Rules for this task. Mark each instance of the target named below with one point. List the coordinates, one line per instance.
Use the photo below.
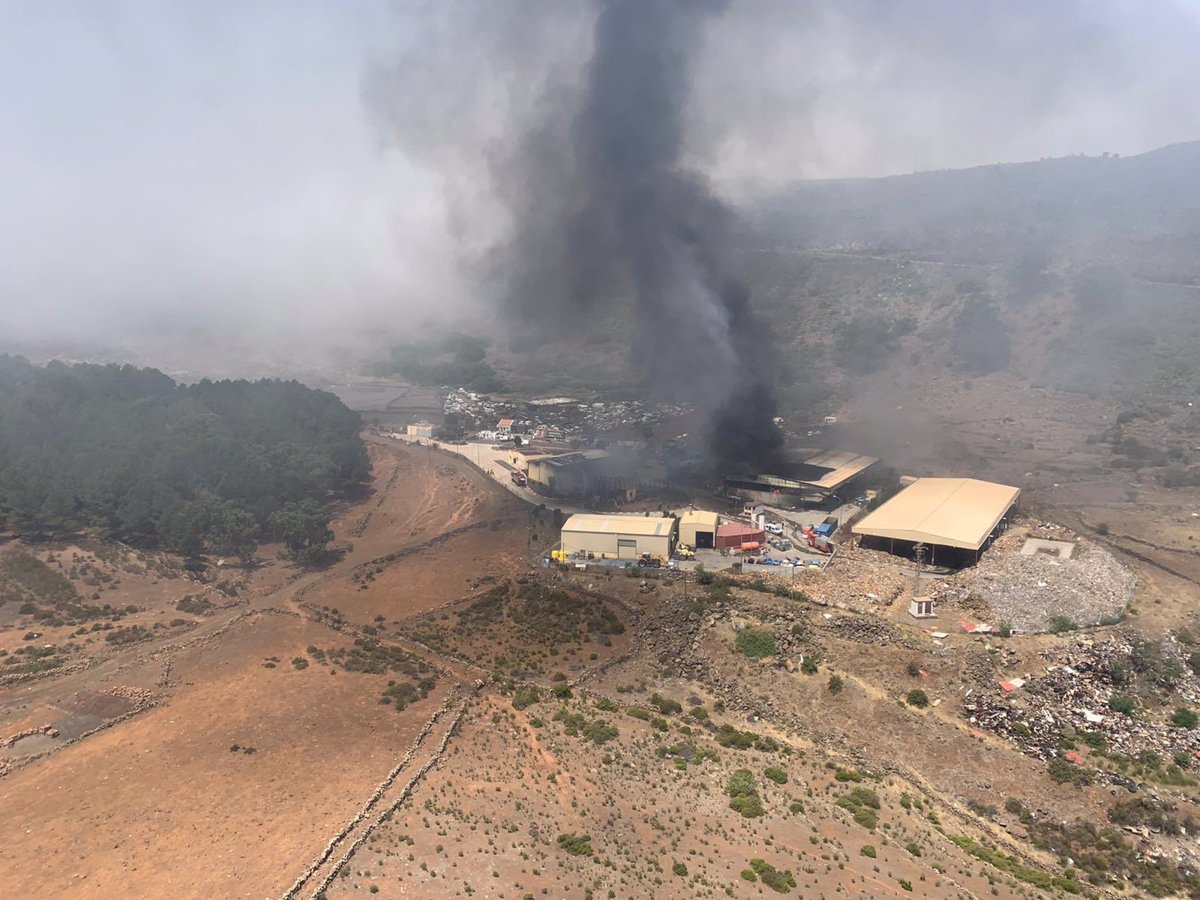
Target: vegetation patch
(576, 844)
(917, 698)
(743, 794)
(863, 804)
(755, 643)
(729, 736)
(195, 606)
(780, 882)
(1011, 866)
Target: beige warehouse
(618, 536)
(698, 528)
(959, 513)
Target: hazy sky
(305, 170)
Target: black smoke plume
(626, 217)
(587, 163)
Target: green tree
(304, 529)
(233, 532)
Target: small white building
(420, 430)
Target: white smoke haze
(300, 175)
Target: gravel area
(1030, 592)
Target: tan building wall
(614, 543)
(698, 520)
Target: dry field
(139, 766)
(431, 716)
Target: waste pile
(1032, 593)
(1072, 697)
(857, 580)
(571, 417)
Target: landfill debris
(1031, 592)
(1063, 700)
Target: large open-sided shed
(956, 514)
(808, 472)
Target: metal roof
(951, 512)
(589, 523)
(730, 529)
(839, 465)
(699, 517)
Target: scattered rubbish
(975, 627)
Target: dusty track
(386, 797)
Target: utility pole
(919, 551)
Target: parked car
(782, 544)
(773, 528)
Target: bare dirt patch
(127, 800)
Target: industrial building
(810, 476)
(953, 519)
(734, 535)
(698, 529)
(420, 430)
(575, 474)
(618, 536)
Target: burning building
(809, 477)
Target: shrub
(1122, 703)
(665, 705)
(599, 732)
(1102, 528)
(776, 775)
(1063, 772)
(1061, 625)
(562, 692)
(780, 882)
(913, 669)
(740, 783)
(1006, 630)
(755, 643)
(679, 869)
(835, 684)
(1185, 718)
(809, 664)
(912, 848)
(749, 875)
(918, 698)
(300, 662)
(743, 794)
(576, 844)
(862, 803)
(848, 775)
(703, 576)
(525, 696)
